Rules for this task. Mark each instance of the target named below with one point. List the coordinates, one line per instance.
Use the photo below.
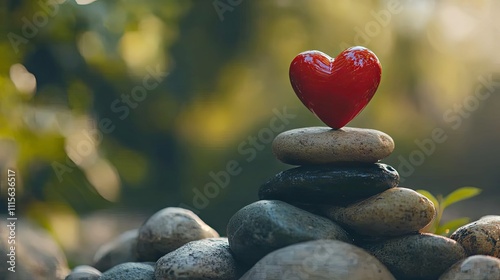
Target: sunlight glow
(84, 2)
(65, 226)
(80, 145)
(24, 81)
(104, 177)
(144, 46)
(457, 24)
(90, 45)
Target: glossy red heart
(336, 90)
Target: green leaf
(451, 226)
(430, 197)
(459, 195)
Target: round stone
(84, 272)
(481, 237)
(130, 270)
(474, 267)
(204, 259)
(330, 184)
(169, 229)
(418, 256)
(320, 259)
(264, 226)
(323, 145)
(394, 212)
(120, 250)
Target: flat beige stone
(394, 212)
(323, 145)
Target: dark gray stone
(120, 250)
(169, 229)
(319, 260)
(330, 184)
(84, 272)
(264, 226)
(418, 256)
(207, 259)
(130, 270)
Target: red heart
(336, 90)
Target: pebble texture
(120, 250)
(84, 272)
(394, 212)
(130, 270)
(418, 256)
(478, 267)
(169, 229)
(330, 184)
(323, 145)
(320, 259)
(207, 259)
(481, 237)
(265, 226)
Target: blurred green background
(112, 110)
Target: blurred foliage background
(112, 110)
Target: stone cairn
(339, 195)
(339, 215)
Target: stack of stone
(339, 195)
(339, 215)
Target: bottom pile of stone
(339, 215)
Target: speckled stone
(481, 237)
(330, 184)
(320, 259)
(417, 256)
(130, 270)
(169, 229)
(122, 249)
(204, 259)
(478, 267)
(396, 211)
(84, 272)
(264, 226)
(323, 145)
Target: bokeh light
(126, 107)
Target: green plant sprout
(440, 203)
